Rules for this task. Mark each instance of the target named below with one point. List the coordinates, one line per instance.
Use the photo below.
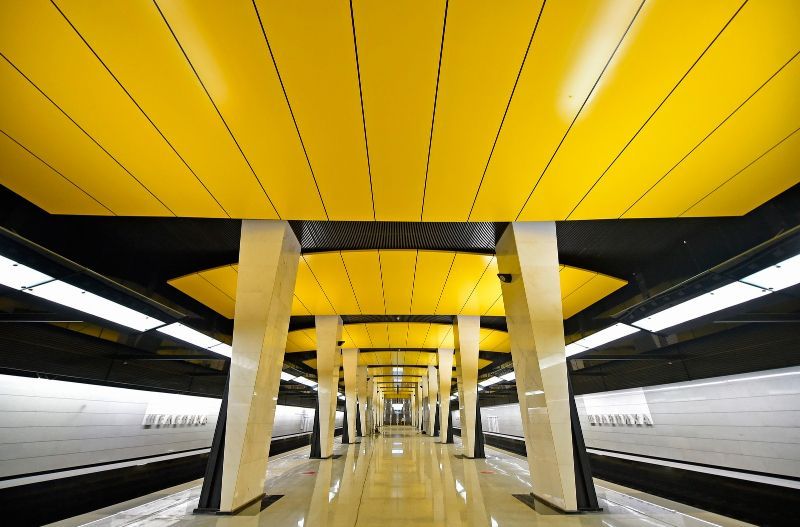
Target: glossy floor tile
(403, 478)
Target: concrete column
(420, 400)
(467, 339)
(425, 396)
(370, 407)
(433, 391)
(350, 365)
(329, 332)
(445, 381)
(268, 257)
(412, 408)
(363, 397)
(528, 251)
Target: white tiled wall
(50, 425)
(747, 422)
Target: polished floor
(403, 478)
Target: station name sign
(620, 420)
(174, 420)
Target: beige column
(363, 397)
(411, 405)
(467, 338)
(528, 251)
(425, 395)
(374, 405)
(329, 332)
(420, 402)
(433, 391)
(350, 365)
(268, 258)
(445, 381)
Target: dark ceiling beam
(761, 318)
(611, 356)
(36, 317)
(123, 356)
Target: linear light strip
(773, 278)
(23, 278)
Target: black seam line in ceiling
(578, 113)
(657, 108)
(68, 180)
(125, 90)
(363, 115)
(505, 112)
(87, 134)
(289, 105)
(216, 108)
(695, 147)
(433, 114)
(748, 165)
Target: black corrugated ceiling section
(319, 236)
(307, 321)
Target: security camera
(340, 343)
(504, 277)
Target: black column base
(235, 511)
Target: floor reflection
(401, 477)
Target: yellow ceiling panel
(197, 285)
(432, 270)
(312, 43)
(356, 336)
(759, 41)
(364, 270)
(228, 50)
(486, 291)
(398, 333)
(382, 357)
(64, 68)
(490, 338)
(311, 363)
(637, 80)
(467, 270)
(42, 185)
(472, 287)
(599, 286)
(308, 291)
(330, 272)
(757, 181)
(398, 45)
(224, 278)
(482, 363)
(572, 278)
(33, 121)
(572, 45)
(771, 115)
(379, 335)
(298, 308)
(484, 46)
(434, 335)
(497, 309)
(133, 40)
(416, 335)
(502, 345)
(398, 269)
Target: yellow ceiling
(382, 335)
(396, 283)
(404, 359)
(308, 110)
